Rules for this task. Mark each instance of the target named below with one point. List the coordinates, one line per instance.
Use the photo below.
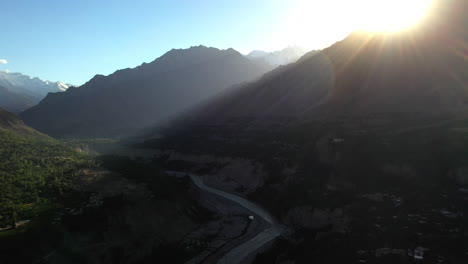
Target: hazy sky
(71, 41)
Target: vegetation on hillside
(122, 210)
(36, 173)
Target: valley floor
(251, 246)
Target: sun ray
(305, 21)
(395, 15)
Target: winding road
(239, 253)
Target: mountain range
(281, 57)
(419, 72)
(19, 92)
(415, 72)
(131, 99)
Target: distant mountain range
(131, 99)
(277, 58)
(19, 92)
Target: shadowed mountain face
(19, 92)
(131, 99)
(16, 102)
(423, 71)
(407, 73)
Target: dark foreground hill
(131, 99)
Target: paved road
(239, 253)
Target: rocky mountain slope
(131, 99)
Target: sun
(320, 23)
(390, 15)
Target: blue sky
(71, 41)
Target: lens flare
(391, 15)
